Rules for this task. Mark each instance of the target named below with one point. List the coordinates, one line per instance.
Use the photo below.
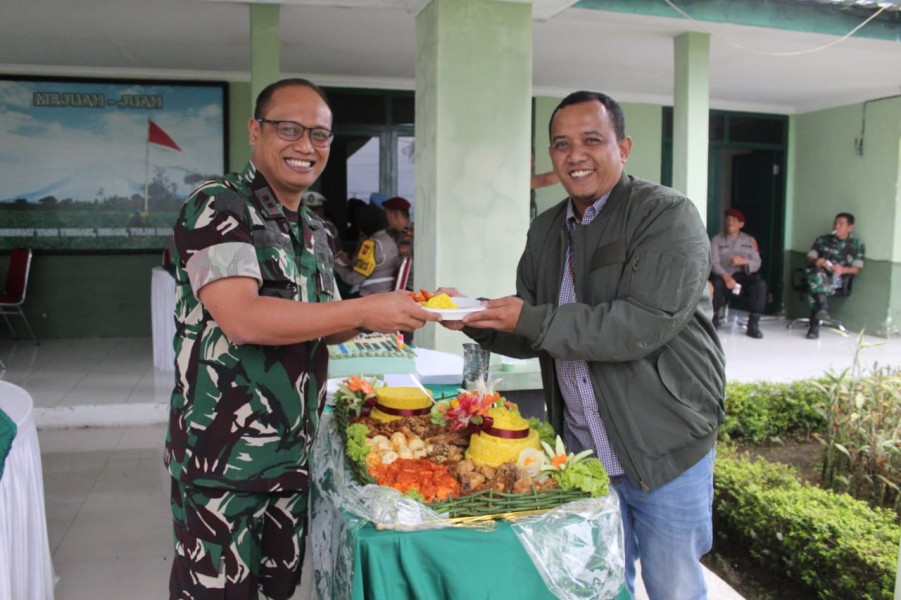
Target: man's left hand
(501, 314)
(740, 261)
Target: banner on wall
(90, 165)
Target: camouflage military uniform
(847, 253)
(243, 417)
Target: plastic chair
(13, 296)
(799, 284)
(403, 273)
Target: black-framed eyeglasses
(291, 131)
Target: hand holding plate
(501, 314)
(394, 311)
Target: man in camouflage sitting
(256, 304)
(833, 259)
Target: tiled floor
(107, 493)
(106, 496)
(108, 519)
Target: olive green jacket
(642, 321)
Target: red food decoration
(432, 480)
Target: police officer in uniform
(736, 270)
(834, 258)
(400, 228)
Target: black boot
(821, 309)
(718, 317)
(814, 331)
(754, 327)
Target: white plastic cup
(737, 289)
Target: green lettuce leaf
(588, 475)
(357, 450)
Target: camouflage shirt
(244, 416)
(848, 252)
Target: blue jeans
(669, 529)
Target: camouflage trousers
(236, 544)
(819, 281)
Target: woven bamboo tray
(485, 504)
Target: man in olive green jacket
(612, 297)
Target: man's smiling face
(291, 167)
(586, 154)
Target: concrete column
(691, 110)
(473, 132)
(264, 47)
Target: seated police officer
(735, 270)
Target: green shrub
(765, 411)
(836, 545)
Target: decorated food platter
(470, 456)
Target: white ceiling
(627, 56)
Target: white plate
(465, 306)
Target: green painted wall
(691, 115)
(548, 196)
(835, 171)
(240, 109)
(74, 296)
(265, 45)
(472, 149)
(644, 124)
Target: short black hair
(613, 109)
(371, 218)
(847, 216)
(264, 99)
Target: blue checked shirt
(583, 426)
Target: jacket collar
(618, 195)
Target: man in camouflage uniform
(256, 305)
(834, 258)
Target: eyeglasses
(291, 131)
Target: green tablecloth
(7, 435)
(446, 564)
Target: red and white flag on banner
(157, 136)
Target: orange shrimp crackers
(432, 480)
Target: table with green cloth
(354, 559)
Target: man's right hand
(394, 311)
(730, 281)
